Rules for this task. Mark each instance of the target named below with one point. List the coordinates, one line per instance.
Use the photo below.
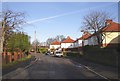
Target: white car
(59, 54)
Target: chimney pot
(108, 21)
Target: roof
(111, 27)
(55, 43)
(68, 40)
(85, 36)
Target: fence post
(19, 55)
(15, 56)
(4, 57)
(22, 53)
(9, 57)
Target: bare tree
(11, 21)
(49, 41)
(59, 38)
(94, 22)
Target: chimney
(108, 21)
(86, 32)
(68, 37)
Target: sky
(50, 19)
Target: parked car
(47, 53)
(58, 54)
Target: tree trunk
(1, 45)
(98, 40)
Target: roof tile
(55, 43)
(68, 40)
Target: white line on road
(80, 65)
(96, 73)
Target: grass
(16, 62)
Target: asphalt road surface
(50, 67)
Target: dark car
(47, 53)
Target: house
(55, 45)
(67, 43)
(78, 42)
(92, 40)
(111, 32)
(82, 40)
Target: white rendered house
(55, 45)
(67, 43)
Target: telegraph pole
(35, 43)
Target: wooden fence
(8, 57)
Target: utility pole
(35, 43)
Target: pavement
(107, 71)
(50, 67)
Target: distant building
(55, 45)
(82, 40)
(67, 43)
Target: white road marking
(80, 65)
(96, 73)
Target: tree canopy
(11, 21)
(19, 40)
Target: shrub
(43, 50)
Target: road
(50, 67)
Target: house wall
(54, 46)
(110, 36)
(67, 45)
(75, 43)
(86, 42)
(78, 43)
(92, 40)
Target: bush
(43, 50)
